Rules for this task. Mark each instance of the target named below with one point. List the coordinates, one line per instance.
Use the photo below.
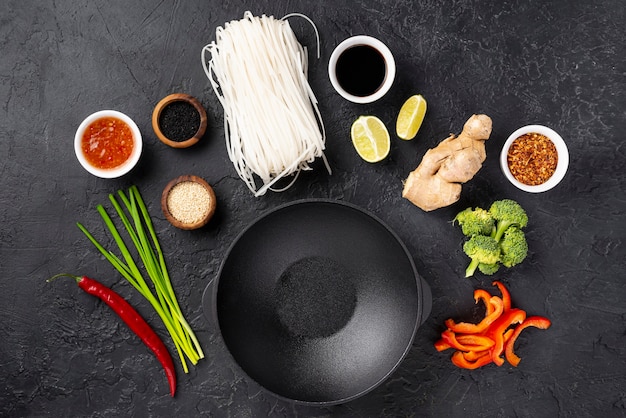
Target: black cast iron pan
(318, 301)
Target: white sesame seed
(189, 202)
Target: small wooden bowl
(179, 97)
(207, 209)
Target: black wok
(318, 301)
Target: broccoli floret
(513, 246)
(488, 269)
(481, 249)
(506, 213)
(496, 236)
(475, 222)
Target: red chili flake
(532, 159)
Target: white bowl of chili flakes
(534, 158)
(108, 144)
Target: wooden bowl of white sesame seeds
(188, 202)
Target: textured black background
(558, 63)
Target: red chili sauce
(107, 142)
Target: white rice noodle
(273, 127)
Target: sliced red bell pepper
(467, 342)
(497, 330)
(506, 296)
(481, 294)
(532, 321)
(441, 345)
(450, 338)
(459, 360)
(469, 328)
(481, 341)
(475, 355)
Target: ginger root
(436, 182)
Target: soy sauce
(361, 70)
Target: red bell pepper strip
(467, 342)
(532, 321)
(497, 330)
(508, 334)
(481, 294)
(470, 341)
(506, 296)
(469, 328)
(134, 321)
(441, 345)
(459, 360)
(475, 355)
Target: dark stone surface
(559, 63)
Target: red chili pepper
(134, 321)
(498, 329)
(531, 321)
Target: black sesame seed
(179, 121)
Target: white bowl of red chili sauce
(108, 144)
(534, 158)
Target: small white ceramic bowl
(562, 163)
(390, 67)
(124, 167)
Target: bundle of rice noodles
(273, 127)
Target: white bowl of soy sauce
(362, 69)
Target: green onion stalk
(141, 232)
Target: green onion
(136, 220)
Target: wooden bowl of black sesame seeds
(179, 120)
(188, 202)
